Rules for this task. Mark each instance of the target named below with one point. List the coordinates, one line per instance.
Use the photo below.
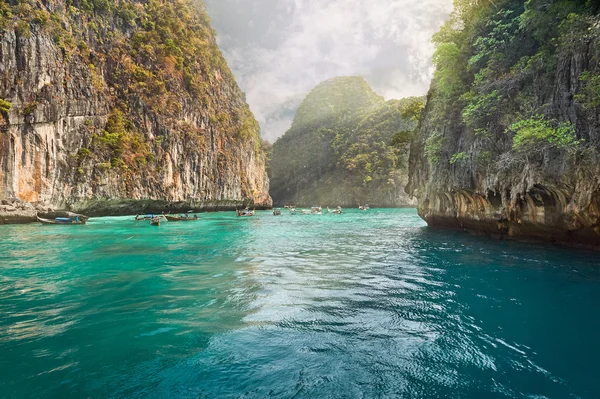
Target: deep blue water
(363, 305)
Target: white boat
(245, 212)
(316, 210)
(336, 211)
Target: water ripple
(366, 304)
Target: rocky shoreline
(515, 230)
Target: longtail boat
(336, 211)
(69, 220)
(181, 218)
(144, 217)
(245, 213)
(155, 221)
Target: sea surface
(360, 305)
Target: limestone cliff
(347, 146)
(121, 107)
(509, 142)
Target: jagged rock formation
(347, 146)
(509, 142)
(121, 107)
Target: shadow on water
(364, 304)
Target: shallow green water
(362, 305)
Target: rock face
(509, 141)
(123, 107)
(339, 149)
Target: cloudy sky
(279, 50)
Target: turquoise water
(360, 305)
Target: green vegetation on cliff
(144, 83)
(162, 52)
(495, 84)
(510, 137)
(123, 99)
(346, 146)
(5, 106)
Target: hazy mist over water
(279, 50)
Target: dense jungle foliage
(347, 146)
(516, 85)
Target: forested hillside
(347, 146)
(509, 141)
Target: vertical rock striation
(123, 107)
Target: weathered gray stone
(38, 152)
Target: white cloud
(280, 49)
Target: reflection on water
(368, 304)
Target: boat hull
(61, 222)
(178, 219)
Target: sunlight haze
(279, 50)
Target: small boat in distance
(144, 217)
(292, 210)
(277, 212)
(364, 208)
(245, 212)
(76, 219)
(336, 211)
(155, 221)
(184, 217)
(315, 210)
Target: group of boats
(155, 220)
(314, 210)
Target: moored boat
(316, 210)
(336, 211)
(181, 218)
(155, 221)
(245, 212)
(277, 212)
(144, 217)
(77, 219)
